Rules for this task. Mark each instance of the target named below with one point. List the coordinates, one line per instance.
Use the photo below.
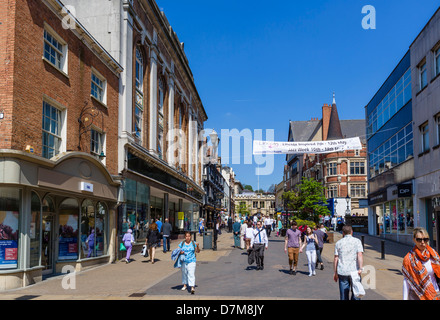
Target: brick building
(59, 91)
(341, 173)
(161, 115)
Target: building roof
(334, 127)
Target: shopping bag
(122, 247)
(251, 256)
(144, 251)
(358, 288)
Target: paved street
(222, 274)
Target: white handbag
(358, 288)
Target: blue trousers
(166, 243)
(345, 286)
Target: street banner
(271, 147)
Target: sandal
(192, 291)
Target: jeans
(345, 286)
(166, 243)
(311, 259)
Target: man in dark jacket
(166, 233)
(322, 237)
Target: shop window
(10, 199)
(68, 230)
(100, 229)
(88, 235)
(35, 231)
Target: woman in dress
(188, 264)
(421, 269)
(310, 243)
(152, 240)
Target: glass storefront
(68, 230)
(395, 217)
(135, 212)
(10, 199)
(93, 222)
(35, 231)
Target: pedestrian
(188, 265)
(128, 241)
(421, 269)
(243, 228)
(268, 225)
(280, 226)
(259, 243)
(201, 227)
(91, 243)
(348, 262)
(152, 240)
(249, 234)
(292, 246)
(159, 225)
(166, 234)
(236, 230)
(310, 243)
(322, 237)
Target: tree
(307, 200)
(248, 187)
(243, 209)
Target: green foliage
(242, 209)
(305, 200)
(248, 187)
(300, 222)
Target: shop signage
(85, 186)
(377, 197)
(271, 147)
(404, 190)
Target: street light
(347, 212)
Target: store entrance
(47, 258)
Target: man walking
(236, 230)
(268, 225)
(292, 246)
(166, 233)
(348, 261)
(259, 243)
(322, 237)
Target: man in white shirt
(259, 243)
(268, 225)
(347, 262)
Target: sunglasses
(420, 239)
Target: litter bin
(207, 240)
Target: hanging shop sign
(317, 147)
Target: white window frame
(424, 137)
(436, 53)
(160, 117)
(437, 125)
(332, 191)
(62, 132)
(103, 98)
(361, 164)
(101, 141)
(62, 64)
(423, 75)
(358, 191)
(332, 166)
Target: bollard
(382, 249)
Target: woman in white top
(249, 234)
(310, 244)
(243, 235)
(421, 268)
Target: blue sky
(258, 64)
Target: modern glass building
(391, 156)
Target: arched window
(35, 230)
(139, 94)
(68, 230)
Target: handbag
(122, 247)
(358, 288)
(144, 251)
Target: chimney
(326, 112)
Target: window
(93, 227)
(34, 235)
(357, 167)
(98, 87)
(255, 204)
(423, 77)
(358, 191)
(97, 142)
(10, 203)
(332, 192)
(139, 94)
(424, 134)
(331, 169)
(160, 102)
(51, 130)
(55, 49)
(437, 61)
(262, 204)
(437, 123)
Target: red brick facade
(26, 79)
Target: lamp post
(347, 211)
